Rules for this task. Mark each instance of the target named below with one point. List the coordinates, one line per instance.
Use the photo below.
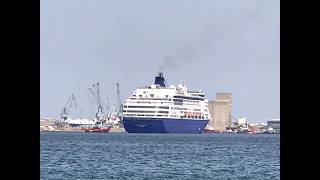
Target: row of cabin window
(160, 107)
(185, 101)
(159, 115)
(147, 115)
(151, 95)
(144, 98)
(144, 102)
(188, 98)
(148, 102)
(193, 117)
(166, 112)
(178, 100)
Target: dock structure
(220, 111)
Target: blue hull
(159, 125)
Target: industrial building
(220, 111)
(274, 124)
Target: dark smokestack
(160, 80)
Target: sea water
(67, 155)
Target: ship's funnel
(160, 80)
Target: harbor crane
(65, 111)
(97, 99)
(119, 104)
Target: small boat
(98, 129)
(209, 129)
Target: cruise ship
(165, 109)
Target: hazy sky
(214, 45)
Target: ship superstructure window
(177, 108)
(162, 115)
(166, 112)
(178, 101)
(163, 107)
(189, 98)
(151, 95)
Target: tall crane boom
(97, 99)
(100, 107)
(66, 108)
(93, 94)
(119, 100)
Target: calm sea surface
(159, 156)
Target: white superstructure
(80, 122)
